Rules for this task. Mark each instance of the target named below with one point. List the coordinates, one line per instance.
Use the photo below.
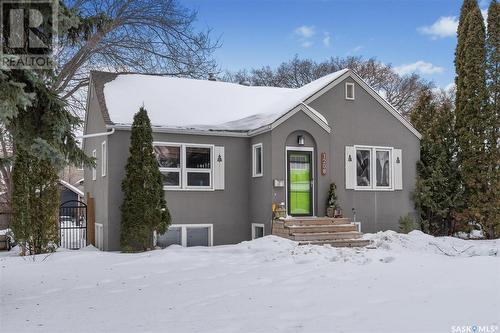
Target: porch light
(300, 140)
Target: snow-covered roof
(71, 188)
(203, 104)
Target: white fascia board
(304, 108)
(157, 129)
(71, 188)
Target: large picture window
(185, 166)
(373, 168)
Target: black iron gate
(73, 225)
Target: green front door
(300, 200)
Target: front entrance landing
(338, 232)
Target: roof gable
(391, 109)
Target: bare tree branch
(131, 35)
(401, 91)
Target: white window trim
(350, 84)
(373, 169)
(254, 160)
(104, 160)
(184, 228)
(183, 170)
(258, 225)
(94, 168)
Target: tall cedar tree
(144, 209)
(437, 192)
(492, 211)
(35, 204)
(471, 116)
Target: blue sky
(412, 35)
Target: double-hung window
(185, 166)
(198, 166)
(169, 162)
(373, 167)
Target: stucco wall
(364, 121)
(315, 136)
(261, 197)
(97, 188)
(227, 210)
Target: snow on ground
(405, 283)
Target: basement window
(257, 230)
(187, 235)
(349, 91)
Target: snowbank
(417, 241)
(266, 285)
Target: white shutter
(398, 168)
(219, 168)
(350, 167)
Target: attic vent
(211, 77)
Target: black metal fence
(73, 225)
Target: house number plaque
(323, 164)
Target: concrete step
(339, 242)
(315, 221)
(321, 228)
(322, 236)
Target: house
(228, 152)
(68, 192)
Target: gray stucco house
(229, 151)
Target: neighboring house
(227, 152)
(68, 192)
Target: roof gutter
(157, 129)
(93, 135)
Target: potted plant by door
(331, 205)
